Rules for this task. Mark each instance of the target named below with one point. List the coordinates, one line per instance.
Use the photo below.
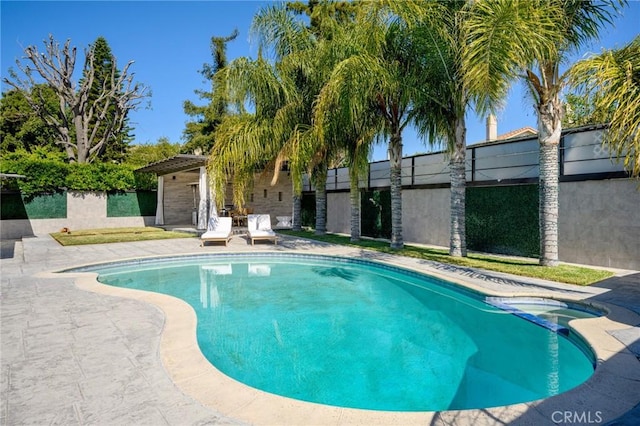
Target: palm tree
(261, 140)
(379, 78)
(282, 93)
(612, 80)
(445, 100)
(307, 68)
(354, 140)
(534, 48)
(348, 136)
(441, 36)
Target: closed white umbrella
(202, 206)
(160, 202)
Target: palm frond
(503, 38)
(583, 19)
(613, 78)
(277, 28)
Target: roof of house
(524, 131)
(178, 163)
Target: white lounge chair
(259, 228)
(209, 295)
(219, 229)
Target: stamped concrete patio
(114, 357)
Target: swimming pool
(360, 334)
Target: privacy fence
(599, 218)
(599, 221)
(513, 161)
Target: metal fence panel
(516, 154)
(601, 165)
(306, 183)
(584, 153)
(431, 169)
(331, 179)
(406, 171)
(500, 174)
(342, 179)
(379, 174)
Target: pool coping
(604, 397)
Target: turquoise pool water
(360, 334)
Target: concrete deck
(110, 356)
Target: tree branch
(96, 121)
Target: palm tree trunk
(549, 132)
(355, 207)
(321, 200)
(297, 212)
(457, 173)
(395, 156)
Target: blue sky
(169, 42)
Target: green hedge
(47, 175)
(128, 204)
(47, 206)
(503, 220)
(375, 211)
(308, 210)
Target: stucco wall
(599, 220)
(599, 223)
(85, 210)
(425, 216)
(338, 212)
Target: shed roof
(178, 163)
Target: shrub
(503, 219)
(44, 174)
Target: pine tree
(199, 133)
(116, 147)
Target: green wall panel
(128, 204)
(49, 206)
(503, 220)
(308, 210)
(375, 211)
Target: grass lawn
(115, 235)
(562, 273)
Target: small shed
(180, 200)
(184, 196)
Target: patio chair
(259, 228)
(219, 229)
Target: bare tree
(76, 109)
